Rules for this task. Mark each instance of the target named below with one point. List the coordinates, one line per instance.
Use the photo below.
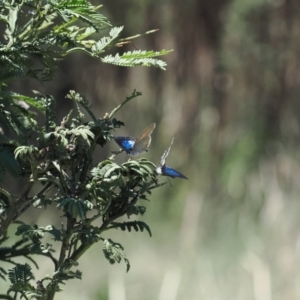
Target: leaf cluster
(37, 34)
(91, 198)
(62, 161)
(40, 33)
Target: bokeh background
(230, 97)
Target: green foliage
(62, 160)
(137, 58)
(136, 225)
(15, 116)
(52, 31)
(114, 252)
(20, 273)
(60, 157)
(19, 277)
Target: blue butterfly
(135, 146)
(165, 170)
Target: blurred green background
(230, 97)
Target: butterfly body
(125, 142)
(165, 170)
(135, 146)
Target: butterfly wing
(143, 142)
(125, 142)
(167, 171)
(166, 153)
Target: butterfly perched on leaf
(135, 146)
(165, 170)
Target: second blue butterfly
(135, 146)
(165, 170)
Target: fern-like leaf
(84, 132)
(99, 46)
(82, 10)
(3, 273)
(20, 273)
(113, 252)
(136, 225)
(137, 58)
(75, 207)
